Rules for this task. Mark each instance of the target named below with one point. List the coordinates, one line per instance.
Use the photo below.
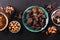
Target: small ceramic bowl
(52, 16)
(25, 16)
(14, 26)
(3, 20)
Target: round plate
(25, 16)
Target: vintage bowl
(25, 16)
(19, 26)
(3, 21)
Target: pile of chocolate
(36, 18)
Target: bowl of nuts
(35, 18)
(56, 17)
(14, 26)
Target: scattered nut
(9, 9)
(52, 30)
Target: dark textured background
(25, 34)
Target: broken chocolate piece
(51, 6)
(29, 20)
(34, 10)
(40, 11)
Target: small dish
(56, 17)
(14, 26)
(25, 15)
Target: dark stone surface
(25, 34)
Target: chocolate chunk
(41, 24)
(29, 11)
(34, 22)
(35, 14)
(33, 27)
(34, 10)
(54, 5)
(40, 19)
(43, 16)
(29, 25)
(37, 28)
(51, 6)
(39, 15)
(40, 11)
(29, 20)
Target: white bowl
(18, 29)
(6, 21)
(53, 16)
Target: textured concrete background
(24, 34)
